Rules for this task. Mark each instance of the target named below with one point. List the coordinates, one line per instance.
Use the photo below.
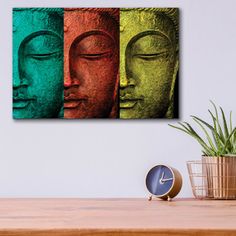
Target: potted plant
(219, 153)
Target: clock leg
(169, 199)
(150, 198)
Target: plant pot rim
(233, 156)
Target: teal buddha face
(37, 63)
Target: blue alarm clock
(164, 182)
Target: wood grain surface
(118, 217)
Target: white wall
(79, 158)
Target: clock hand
(161, 179)
(162, 176)
(164, 180)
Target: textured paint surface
(91, 62)
(148, 62)
(37, 63)
(115, 63)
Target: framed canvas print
(82, 63)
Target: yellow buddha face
(148, 64)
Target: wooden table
(118, 217)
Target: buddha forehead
(82, 21)
(26, 22)
(133, 22)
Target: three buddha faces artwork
(77, 63)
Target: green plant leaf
(225, 124)
(218, 143)
(190, 131)
(204, 122)
(207, 135)
(217, 122)
(215, 135)
(176, 127)
(228, 140)
(230, 122)
(219, 132)
(199, 139)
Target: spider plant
(220, 137)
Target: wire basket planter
(213, 177)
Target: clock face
(159, 180)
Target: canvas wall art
(78, 63)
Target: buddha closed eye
(93, 46)
(149, 46)
(42, 46)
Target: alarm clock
(163, 182)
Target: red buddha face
(91, 62)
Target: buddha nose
(16, 74)
(126, 79)
(70, 81)
(69, 77)
(123, 82)
(123, 75)
(19, 79)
